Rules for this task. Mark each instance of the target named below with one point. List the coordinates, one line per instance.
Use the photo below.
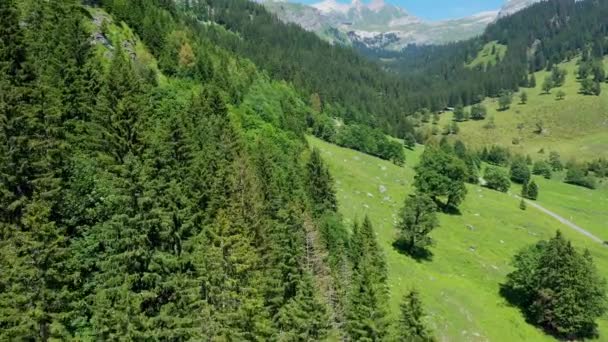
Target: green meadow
(576, 126)
(472, 252)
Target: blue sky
(438, 9)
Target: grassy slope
(485, 56)
(460, 285)
(577, 126)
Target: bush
(577, 176)
(497, 179)
(519, 171)
(542, 168)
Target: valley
(460, 284)
(234, 170)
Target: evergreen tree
(320, 184)
(558, 288)
(366, 315)
(519, 171)
(532, 191)
(523, 97)
(411, 326)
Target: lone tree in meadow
(560, 95)
(531, 191)
(417, 219)
(411, 326)
(441, 174)
(505, 100)
(523, 97)
(558, 288)
(548, 85)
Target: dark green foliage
(523, 97)
(505, 100)
(417, 219)
(131, 210)
(542, 168)
(411, 326)
(496, 178)
(519, 171)
(555, 161)
(590, 87)
(460, 113)
(577, 175)
(367, 299)
(558, 288)
(522, 204)
(371, 141)
(599, 167)
(409, 141)
(478, 112)
(441, 174)
(496, 155)
(530, 191)
(320, 184)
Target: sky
(438, 9)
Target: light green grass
(486, 57)
(460, 286)
(576, 127)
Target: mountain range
(378, 25)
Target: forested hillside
(536, 38)
(168, 195)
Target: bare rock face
(513, 6)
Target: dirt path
(565, 221)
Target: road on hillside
(564, 221)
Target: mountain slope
(377, 24)
(514, 6)
(460, 285)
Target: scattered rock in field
(470, 227)
(370, 195)
(476, 214)
(357, 192)
(382, 189)
(501, 241)
(366, 206)
(472, 248)
(495, 267)
(382, 167)
(386, 199)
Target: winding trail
(565, 221)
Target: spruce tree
(320, 184)
(411, 326)
(367, 297)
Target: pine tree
(559, 288)
(532, 191)
(366, 316)
(320, 184)
(120, 112)
(32, 242)
(411, 326)
(304, 317)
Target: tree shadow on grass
(447, 209)
(416, 253)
